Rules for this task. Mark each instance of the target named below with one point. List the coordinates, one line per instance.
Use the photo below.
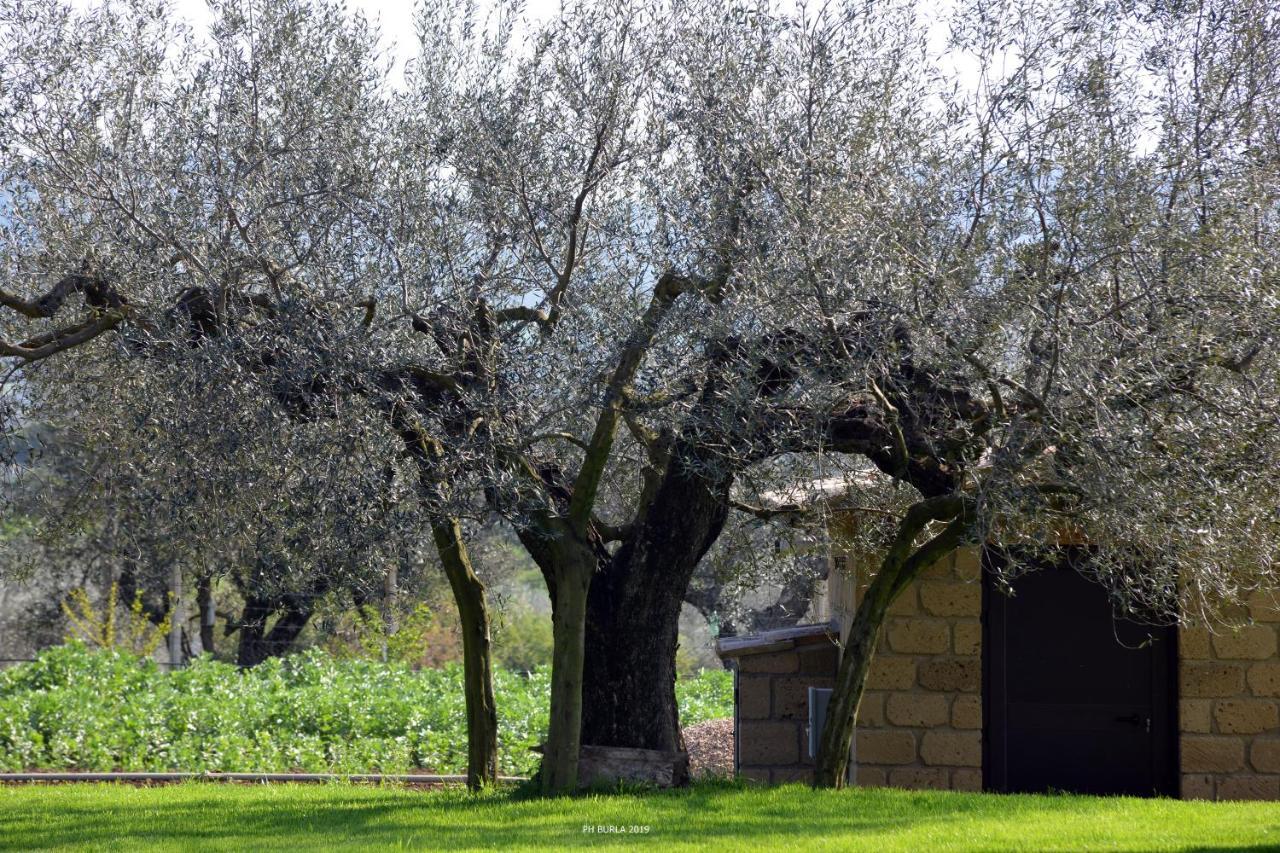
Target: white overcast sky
(394, 19)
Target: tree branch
(669, 288)
(43, 346)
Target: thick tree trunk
(559, 773)
(256, 643)
(633, 615)
(469, 596)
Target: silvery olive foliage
(213, 479)
(1021, 262)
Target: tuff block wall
(1229, 707)
(773, 710)
(920, 721)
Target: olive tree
(218, 196)
(608, 272)
(1029, 278)
(215, 480)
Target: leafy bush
(137, 635)
(522, 641)
(422, 639)
(87, 709)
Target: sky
(394, 17)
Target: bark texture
(256, 642)
(559, 772)
(482, 709)
(633, 615)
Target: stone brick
(1193, 644)
(1233, 614)
(919, 636)
(1264, 679)
(1251, 642)
(786, 775)
(1195, 715)
(962, 749)
(968, 638)
(1197, 786)
(1211, 754)
(822, 659)
(754, 697)
(1264, 755)
(754, 774)
(891, 673)
(1249, 788)
(958, 598)
(966, 713)
(1210, 679)
(905, 604)
(943, 568)
(791, 695)
(917, 709)
(952, 674)
(968, 563)
(871, 709)
(919, 778)
(773, 662)
(1245, 716)
(768, 743)
(966, 779)
(885, 747)
(870, 777)
(1264, 606)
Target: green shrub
(83, 709)
(522, 641)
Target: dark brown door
(1075, 699)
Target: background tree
(215, 480)
(212, 197)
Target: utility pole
(390, 588)
(176, 617)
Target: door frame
(1165, 725)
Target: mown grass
(709, 816)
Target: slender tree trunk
(559, 773)
(390, 591)
(477, 659)
(177, 617)
(851, 681)
(900, 566)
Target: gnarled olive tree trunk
(633, 614)
(256, 643)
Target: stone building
(974, 690)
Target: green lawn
(293, 817)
